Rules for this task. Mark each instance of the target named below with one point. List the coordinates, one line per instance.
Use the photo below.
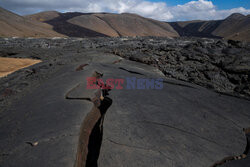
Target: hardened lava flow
(91, 131)
(242, 156)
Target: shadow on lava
(95, 139)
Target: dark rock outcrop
(215, 64)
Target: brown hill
(94, 23)
(44, 16)
(104, 24)
(134, 25)
(75, 24)
(14, 25)
(236, 27)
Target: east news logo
(131, 83)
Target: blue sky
(164, 10)
(221, 4)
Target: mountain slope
(94, 23)
(75, 24)
(236, 27)
(134, 25)
(44, 16)
(196, 28)
(14, 25)
(104, 24)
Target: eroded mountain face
(235, 27)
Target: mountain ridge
(13, 25)
(77, 24)
(235, 27)
(107, 24)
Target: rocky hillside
(76, 24)
(13, 25)
(104, 24)
(236, 27)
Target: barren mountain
(134, 25)
(43, 16)
(94, 23)
(75, 24)
(236, 27)
(14, 25)
(104, 24)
